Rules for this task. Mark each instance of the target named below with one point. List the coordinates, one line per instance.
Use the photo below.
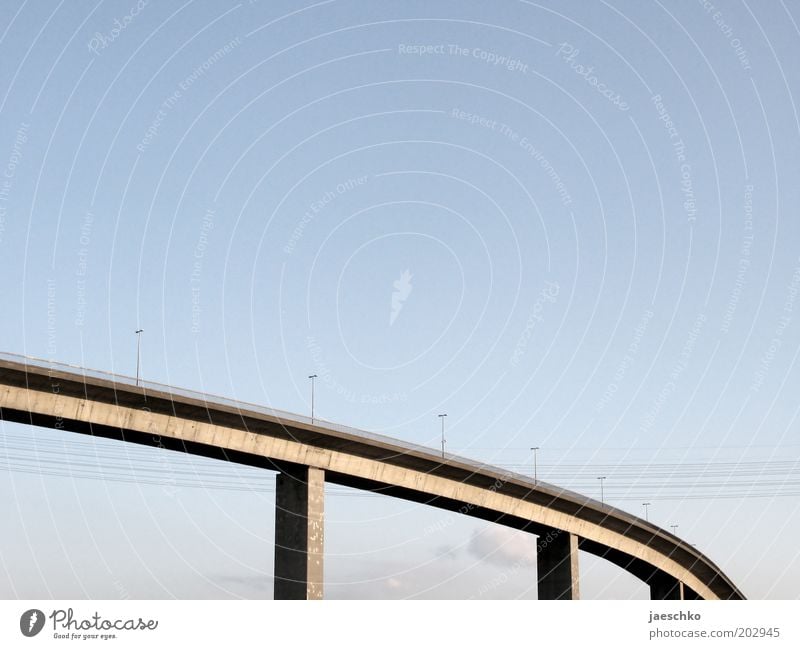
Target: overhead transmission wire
(110, 461)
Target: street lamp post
(138, 333)
(646, 505)
(602, 495)
(535, 471)
(442, 416)
(312, 377)
(674, 527)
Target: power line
(100, 459)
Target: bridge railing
(246, 407)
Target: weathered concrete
(299, 533)
(557, 565)
(213, 427)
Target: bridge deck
(109, 405)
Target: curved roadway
(84, 401)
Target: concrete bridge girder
(507, 502)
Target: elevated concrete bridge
(307, 454)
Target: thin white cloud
(503, 546)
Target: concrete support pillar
(557, 565)
(664, 586)
(688, 593)
(299, 506)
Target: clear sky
(566, 225)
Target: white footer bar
(404, 624)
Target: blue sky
(567, 225)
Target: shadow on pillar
(557, 565)
(664, 586)
(299, 533)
